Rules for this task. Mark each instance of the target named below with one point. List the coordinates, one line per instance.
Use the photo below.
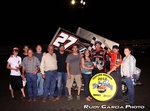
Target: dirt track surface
(142, 94)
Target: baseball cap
(98, 42)
(115, 47)
(61, 44)
(16, 49)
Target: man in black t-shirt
(61, 55)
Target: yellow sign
(102, 87)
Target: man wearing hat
(115, 63)
(14, 64)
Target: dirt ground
(142, 94)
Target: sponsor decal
(68, 38)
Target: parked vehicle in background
(135, 81)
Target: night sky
(36, 23)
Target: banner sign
(102, 87)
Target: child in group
(14, 64)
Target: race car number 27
(68, 40)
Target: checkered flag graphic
(91, 47)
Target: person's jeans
(130, 87)
(86, 80)
(31, 85)
(50, 83)
(40, 84)
(61, 83)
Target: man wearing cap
(14, 64)
(61, 71)
(98, 58)
(115, 63)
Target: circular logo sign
(102, 87)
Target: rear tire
(124, 88)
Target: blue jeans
(86, 80)
(61, 83)
(130, 87)
(50, 83)
(40, 84)
(31, 85)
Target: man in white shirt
(49, 73)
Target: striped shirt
(30, 65)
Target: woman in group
(128, 68)
(86, 68)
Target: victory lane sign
(102, 87)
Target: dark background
(36, 22)
(23, 22)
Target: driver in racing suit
(115, 63)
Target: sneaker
(70, 98)
(78, 97)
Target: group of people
(18, 74)
(118, 67)
(40, 71)
(43, 69)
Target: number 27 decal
(65, 38)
